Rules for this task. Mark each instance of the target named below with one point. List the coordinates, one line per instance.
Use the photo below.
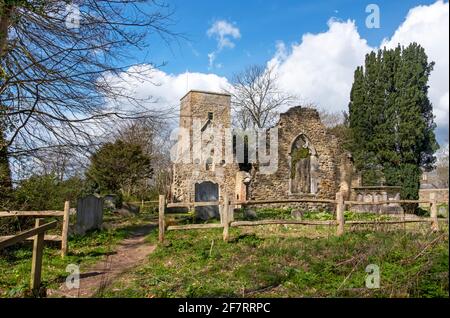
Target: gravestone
(297, 214)
(443, 211)
(206, 192)
(110, 201)
(249, 213)
(128, 209)
(89, 214)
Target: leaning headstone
(249, 214)
(89, 214)
(297, 214)
(110, 201)
(207, 212)
(128, 209)
(443, 211)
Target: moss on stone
(297, 155)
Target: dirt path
(129, 253)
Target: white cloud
(166, 89)
(428, 26)
(224, 33)
(320, 68)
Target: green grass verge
(15, 261)
(292, 261)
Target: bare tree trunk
(5, 18)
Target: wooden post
(162, 205)
(434, 212)
(36, 263)
(225, 217)
(65, 229)
(340, 213)
(231, 212)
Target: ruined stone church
(310, 163)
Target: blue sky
(262, 23)
(313, 46)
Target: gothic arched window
(303, 166)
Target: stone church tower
(310, 163)
(203, 173)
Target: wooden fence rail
(65, 214)
(227, 207)
(384, 202)
(38, 247)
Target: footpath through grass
(15, 261)
(292, 261)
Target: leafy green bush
(46, 192)
(37, 193)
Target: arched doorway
(204, 192)
(304, 166)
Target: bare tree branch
(256, 97)
(56, 90)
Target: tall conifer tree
(391, 118)
(5, 172)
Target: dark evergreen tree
(5, 172)
(391, 118)
(117, 167)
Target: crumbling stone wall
(332, 167)
(293, 123)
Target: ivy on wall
(297, 155)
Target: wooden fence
(63, 238)
(226, 208)
(38, 235)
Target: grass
(262, 261)
(15, 261)
(279, 214)
(292, 261)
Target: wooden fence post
(65, 229)
(340, 213)
(36, 263)
(225, 217)
(221, 213)
(434, 212)
(231, 212)
(162, 205)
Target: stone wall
(332, 167)
(197, 105)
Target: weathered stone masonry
(296, 122)
(310, 163)
(197, 104)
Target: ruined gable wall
(294, 122)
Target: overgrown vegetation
(263, 261)
(117, 166)
(323, 215)
(298, 155)
(15, 261)
(38, 193)
(391, 118)
(292, 261)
